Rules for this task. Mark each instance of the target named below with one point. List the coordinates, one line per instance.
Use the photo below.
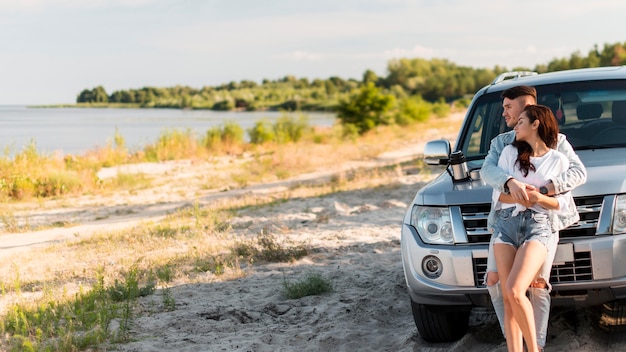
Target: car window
(591, 114)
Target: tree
(366, 109)
(100, 95)
(370, 76)
(95, 95)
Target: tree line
(432, 80)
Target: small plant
(168, 300)
(130, 288)
(267, 248)
(312, 284)
(9, 221)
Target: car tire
(611, 316)
(440, 323)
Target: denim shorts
(528, 225)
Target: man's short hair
(519, 91)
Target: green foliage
(223, 137)
(366, 109)
(132, 286)
(412, 110)
(288, 129)
(261, 132)
(96, 95)
(463, 102)
(57, 183)
(172, 145)
(312, 284)
(61, 326)
(431, 79)
(436, 78)
(441, 108)
(31, 174)
(232, 133)
(227, 104)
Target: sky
(51, 50)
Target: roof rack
(512, 75)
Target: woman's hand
(533, 197)
(543, 200)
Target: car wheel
(612, 316)
(440, 323)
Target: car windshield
(591, 114)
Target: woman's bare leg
(528, 260)
(505, 257)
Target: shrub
(366, 109)
(441, 108)
(171, 145)
(412, 110)
(288, 129)
(313, 284)
(261, 132)
(225, 137)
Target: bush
(171, 145)
(288, 129)
(224, 138)
(58, 183)
(441, 108)
(412, 110)
(232, 133)
(261, 132)
(366, 109)
(227, 104)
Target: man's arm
(493, 175)
(574, 176)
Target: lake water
(77, 130)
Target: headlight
(619, 216)
(433, 224)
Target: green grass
(311, 285)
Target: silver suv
(444, 233)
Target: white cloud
(417, 51)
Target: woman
(523, 231)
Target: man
(514, 101)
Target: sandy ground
(355, 237)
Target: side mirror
(437, 152)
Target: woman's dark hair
(548, 131)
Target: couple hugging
(532, 169)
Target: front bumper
(461, 283)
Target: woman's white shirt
(547, 166)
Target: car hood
(606, 170)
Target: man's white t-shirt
(547, 166)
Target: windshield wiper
(600, 146)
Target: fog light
(432, 267)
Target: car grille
(480, 268)
(589, 212)
(475, 220)
(579, 270)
